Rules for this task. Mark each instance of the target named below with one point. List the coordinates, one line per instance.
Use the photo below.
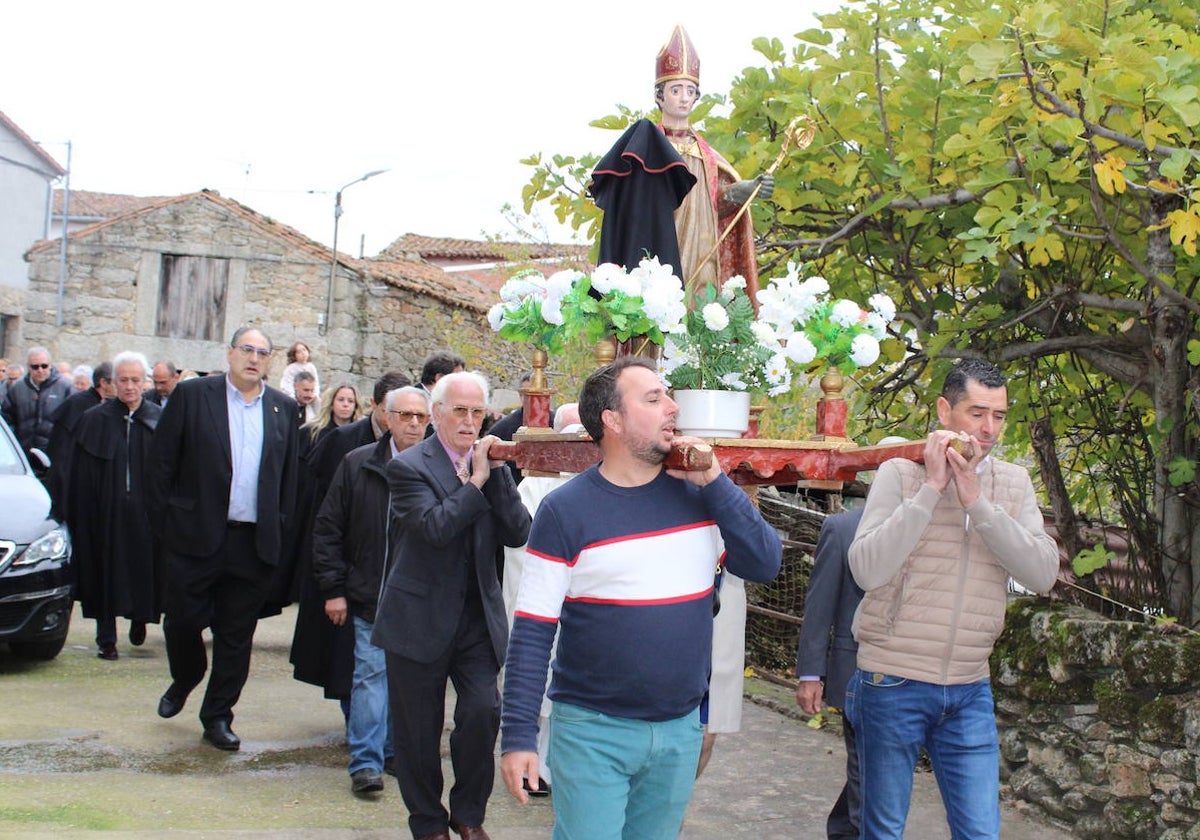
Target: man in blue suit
(827, 653)
(441, 615)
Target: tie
(463, 471)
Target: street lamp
(337, 214)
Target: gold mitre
(677, 59)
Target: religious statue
(667, 193)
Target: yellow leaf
(1109, 175)
(1185, 226)
(1168, 185)
(1045, 248)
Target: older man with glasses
(223, 482)
(441, 614)
(349, 547)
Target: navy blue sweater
(626, 575)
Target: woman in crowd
(299, 358)
(339, 405)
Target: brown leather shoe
(441, 835)
(470, 832)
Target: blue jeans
(619, 778)
(369, 727)
(893, 718)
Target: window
(191, 297)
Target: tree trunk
(1170, 327)
(1042, 435)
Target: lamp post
(337, 214)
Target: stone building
(27, 176)
(175, 277)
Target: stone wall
(1100, 721)
(276, 283)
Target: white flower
(552, 311)
(876, 325)
(715, 317)
(846, 313)
(778, 375)
(650, 273)
(764, 334)
(524, 285)
(663, 304)
(496, 315)
(864, 350)
(731, 286)
(814, 286)
(559, 284)
(883, 304)
(800, 349)
(605, 277)
(733, 381)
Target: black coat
(827, 647)
(61, 447)
(639, 184)
(192, 468)
(116, 565)
(322, 653)
(350, 531)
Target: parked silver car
(35, 560)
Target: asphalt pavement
(83, 755)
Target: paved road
(83, 755)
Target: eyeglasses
(39, 367)
(406, 416)
(251, 350)
(461, 412)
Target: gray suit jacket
(440, 531)
(827, 647)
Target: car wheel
(43, 651)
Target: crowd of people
(611, 599)
(418, 561)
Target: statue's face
(678, 98)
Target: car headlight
(54, 545)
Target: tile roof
(423, 278)
(54, 165)
(97, 205)
(438, 247)
(454, 288)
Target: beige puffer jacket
(936, 574)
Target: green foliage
(1091, 559)
(1020, 178)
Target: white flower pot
(712, 414)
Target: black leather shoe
(221, 736)
(171, 703)
(366, 781)
(137, 633)
(108, 651)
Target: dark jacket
(443, 538)
(61, 447)
(116, 564)
(191, 468)
(827, 647)
(349, 542)
(29, 409)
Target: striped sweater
(626, 575)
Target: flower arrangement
(719, 344)
(722, 346)
(811, 325)
(549, 311)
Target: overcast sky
(267, 101)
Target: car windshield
(10, 459)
